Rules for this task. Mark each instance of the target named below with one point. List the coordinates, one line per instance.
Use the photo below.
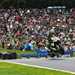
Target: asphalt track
(66, 64)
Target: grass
(13, 69)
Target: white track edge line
(65, 71)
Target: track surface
(67, 64)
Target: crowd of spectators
(23, 26)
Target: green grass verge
(13, 69)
